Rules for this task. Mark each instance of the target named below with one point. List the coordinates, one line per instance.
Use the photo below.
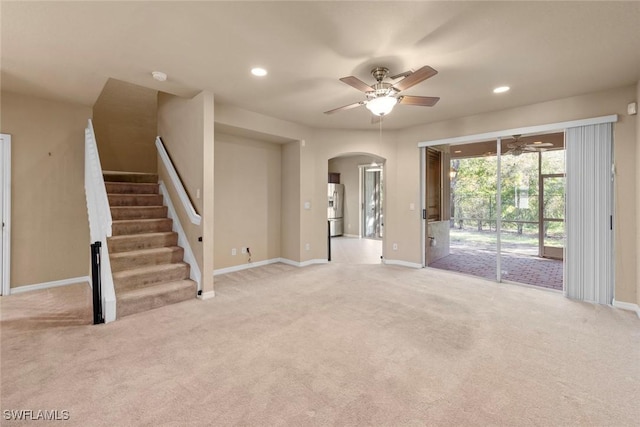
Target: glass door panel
(372, 203)
(553, 207)
(519, 216)
(470, 175)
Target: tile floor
(354, 250)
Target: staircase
(146, 261)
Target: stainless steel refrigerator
(335, 209)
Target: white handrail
(177, 183)
(99, 218)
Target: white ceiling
(543, 50)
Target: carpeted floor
(324, 345)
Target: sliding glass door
(503, 225)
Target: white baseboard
(206, 295)
(189, 257)
(245, 266)
(401, 263)
(304, 263)
(267, 262)
(627, 306)
(351, 235)
(52, 284)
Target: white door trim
(6, 214)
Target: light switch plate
(632, 108)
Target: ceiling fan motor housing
(381, 89)
(379, 73)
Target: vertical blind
(589, 205)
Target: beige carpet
(329, 345)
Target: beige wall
(402, 172)
(125, 123)
(187, 129)
(293, 214)
(580, 107)
(290, 208)
(247, 185)
(637, 100)
(347, 167)
(50, 229)
(327, 144)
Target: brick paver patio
(527, 269)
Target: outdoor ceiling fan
(381, 97)
(518, 147)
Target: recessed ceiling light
(458, 151)
(501, 89)
(159, 76)
(260, 72)
(537, 142)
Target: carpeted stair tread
(132, 242)
(138, 212)
(149, 275)
(134, 199)
(136, 177)
(148, 298)
(131, 188)
(146, 262)
(140, 226)
(145, 257)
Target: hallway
(354, 250)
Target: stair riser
(135, 200)
(131, 306)
(135, 242)
(131, 188)
(118, 213)
(121, 261)
(181, 271)
(139, 227)
(131, 177)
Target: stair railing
(99, 222)
(187, 207)
(177, 183)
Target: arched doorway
(355, 209)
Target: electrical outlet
(198, 193)
(395, 246)
(234, 252)
(243, 250)
(307, 246)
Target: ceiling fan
(381, 96)
(518, 147)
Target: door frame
(362, 170)
(5, 146)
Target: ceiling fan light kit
(381, 96)
(382, 106)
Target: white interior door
(5, 211)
